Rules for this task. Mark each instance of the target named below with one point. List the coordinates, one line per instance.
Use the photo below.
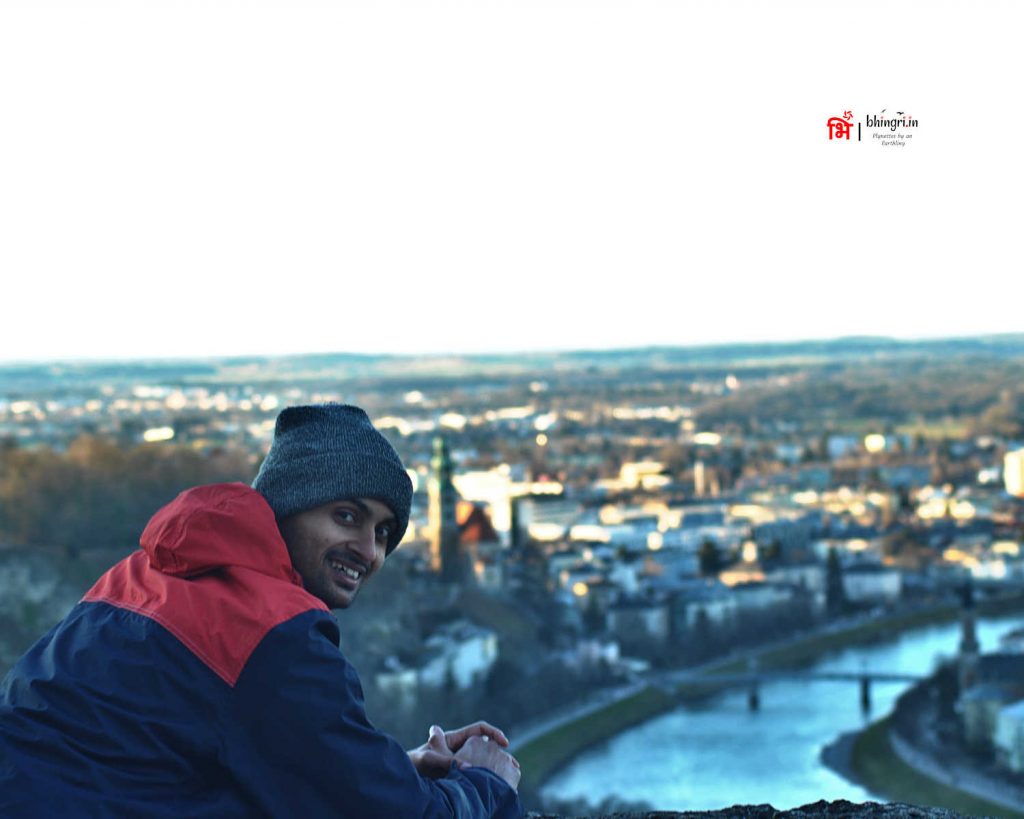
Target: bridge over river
(670, 682)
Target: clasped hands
(478, 745)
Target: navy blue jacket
(198, 678)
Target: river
(717, 753)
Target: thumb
(436, 738)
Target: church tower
(969, 649)
(445, 556)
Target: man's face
(337, 546)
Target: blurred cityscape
(580, 519)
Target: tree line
(97, 494)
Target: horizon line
(476, 354)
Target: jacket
(198, 678)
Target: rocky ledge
(839, 810)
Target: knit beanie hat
(327, 452)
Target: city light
(546, 532)
(874, 443)
(1006, 547)
(452, 420)
(158, 434)
(544, 422)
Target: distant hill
(342, 365)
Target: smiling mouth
(344, 569)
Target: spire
(445, 556)
(969, 648)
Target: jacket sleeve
(297, 738)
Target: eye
(383, 533)
(345, 516)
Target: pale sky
(211, 178)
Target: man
(201, 676)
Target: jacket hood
(216, 526)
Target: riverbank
(877, 766)
(905, 756)
(867, 758)
(837, 756)
(545, 752)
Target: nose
(366, 545)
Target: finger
(488, 730)
(436, 738)
(457, 738)
(498, 735)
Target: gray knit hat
(327, 452)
